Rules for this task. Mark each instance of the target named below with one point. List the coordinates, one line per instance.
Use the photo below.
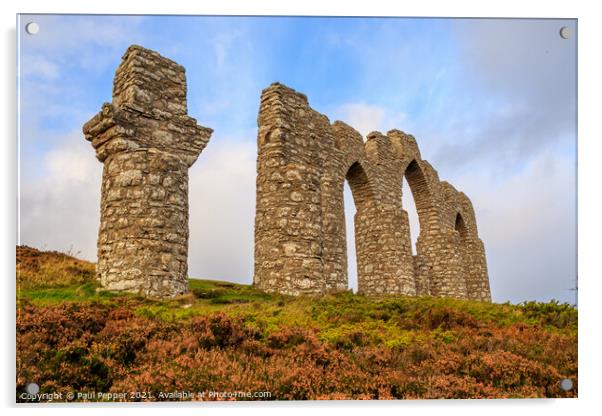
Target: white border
(589, 207)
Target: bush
(83, 346)
(226, 337)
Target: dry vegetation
(227, 337)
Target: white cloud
(75, 162)
(514, 98)
(53, 64)
(74, 35)
(366, 118)
(222, 210)
(222, 44)
(61, 209)
(363, 117)
(39, 66)
(528, 224)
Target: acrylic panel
(295, 208)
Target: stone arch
(364, 200)
(354, 169)
(463, 240)
(347, 162)
(360, 184)
(469, 250)
(422, 193)
(463, 249)
(461, 229)
(300, 238)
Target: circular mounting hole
(32, 28)
(32, 388)
(565, 32)
(566, 384)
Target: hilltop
(226, 337)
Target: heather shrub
(227, 337)
(83, 346)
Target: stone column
(475, 267)
(384, 254)
(147, 143)
(334, 239)
(288, 217)
(479, 278)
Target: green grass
(344, 319)
(74, 293)
(421, 337)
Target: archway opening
(416, 200)
(350, 210)
(460, 227)
(357, 193)
(409, 204)
(420, 190)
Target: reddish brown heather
(84, 347)
(49, 268)
(71, 338)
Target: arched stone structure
(147, 142)
(460, 215)
(300, 241)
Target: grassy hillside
(230, 338)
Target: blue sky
(491, 103)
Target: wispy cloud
(222, 45)
(83, 41)
(222, 210)
(61, 210)
(515, 96)
(528, 224)
(366, 118)
(37, 66)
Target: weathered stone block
(147, 142)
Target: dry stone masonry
(300, 242)
(147, 142)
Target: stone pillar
(479, 278)
(382, 227)
(448, 277)
(475, 267)
(288, 217)
(334, 233)
(147, 143)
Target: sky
(492, 104)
